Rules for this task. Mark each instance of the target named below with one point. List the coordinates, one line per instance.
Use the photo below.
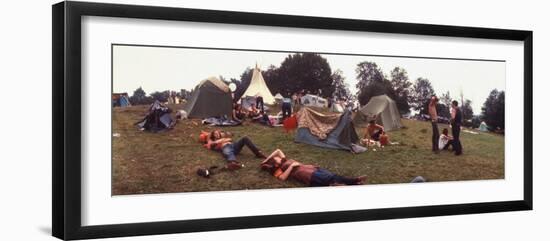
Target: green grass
(166, 162)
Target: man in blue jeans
(230, 149)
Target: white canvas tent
(313, 100)
(278, 96)
(258, 87)
(384, 110)
(483, 127)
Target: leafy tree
(422, 92)
(341, 88)
(184, 94)
(273, 82)
(475, 122)
(443, 110)
(160, 96)
(400, 89)
(492, 111)
(446, 99)
(243, 83)
(371, 81)
(304, 71)
(467, 111)
(139, 97)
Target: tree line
(311, 73)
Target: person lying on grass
(281, 167)
(230, 149)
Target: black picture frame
(66, 87)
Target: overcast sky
(163, 68)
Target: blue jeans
(323, 177)
(231, 150)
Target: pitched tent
(384, 109)
(483, 127)
(335, 131)
(258, 87)
(121, 99)
(313, 100)
(210, 98)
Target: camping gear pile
(158, 118)
(335, 131)
(383, 110)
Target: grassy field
(166, 162)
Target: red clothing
(301, 173)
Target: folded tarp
(217, 121)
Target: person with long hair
(432, 110)
(278, 165)
(230, 149)
(445, 140)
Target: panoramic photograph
(190, 119)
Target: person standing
(295, 99)
(432, 110)
(286, 107)
(456, 120)
(260, 103)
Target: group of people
(255, 113)
(443, 141)
(277, 164)
(283, 168)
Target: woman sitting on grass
(229, 149)
(445, 140)
(279, 166)
(238, 113)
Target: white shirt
(443, 140)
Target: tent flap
(341, 136)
